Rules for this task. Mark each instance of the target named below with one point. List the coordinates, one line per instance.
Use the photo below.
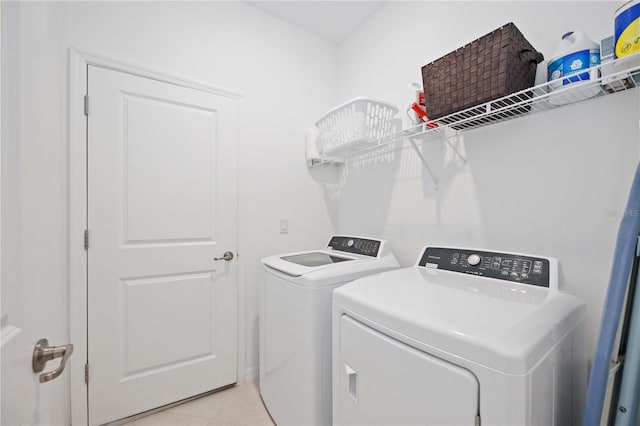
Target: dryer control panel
(355, 245)
(502, 266)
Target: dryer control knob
(473, 260)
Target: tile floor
(239, 405)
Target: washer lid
(503, 325)
(325, 267)
(316, 258)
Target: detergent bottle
(570, 63)
(575, 53)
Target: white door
(381, 381)
(27, 313)
(26, 398)
(161, 206)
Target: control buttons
(473, 260)
(537, 267)
(520, 271)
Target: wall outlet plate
(284, 225)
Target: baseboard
(251, 374)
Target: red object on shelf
(423, 115)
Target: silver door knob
(226, 256)
(42, 353)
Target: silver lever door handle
(42, 353)
(226, 256)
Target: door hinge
(86, 104)
(86, 239)
(86, 373)
(478, 421)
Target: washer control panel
(502, 266)
(355, 245)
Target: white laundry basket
(351, 126)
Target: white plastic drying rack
(620, 75)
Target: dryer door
(381, 381)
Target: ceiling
(331, 20)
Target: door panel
(161, 205)
(383, 381)
(147, 324)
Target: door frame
(78, 273)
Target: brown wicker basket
(495, 65)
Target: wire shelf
(602, 80)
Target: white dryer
(464, 337)
(295, 324)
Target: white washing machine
(465, 337)
(295, 324)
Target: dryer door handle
(352, 382)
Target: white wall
(544, 184)
(288, 78)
